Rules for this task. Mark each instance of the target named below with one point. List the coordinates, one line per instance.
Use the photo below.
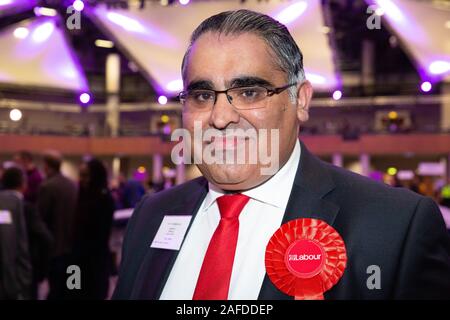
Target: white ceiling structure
(424, 30)
(157, 37)
(35, 53)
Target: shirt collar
(274, 192)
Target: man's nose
(223, 113)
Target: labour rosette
(305, 257)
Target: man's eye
(250, 93)
(202, 96)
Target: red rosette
(305, 257)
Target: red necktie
(214, 279)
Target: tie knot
(231, 205)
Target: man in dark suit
(34, 177)
(243, 71)
(57, 203)
(15, 264)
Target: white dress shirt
(258, 221)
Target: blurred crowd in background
(48, 222)
(55, 222)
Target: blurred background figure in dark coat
(93, 225)
(15, 264)
(25, 160)
(56, 204)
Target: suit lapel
(158, 263)
(312, 183)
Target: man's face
(221, 62)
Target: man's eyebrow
(236, 82)
(250, 81)
(200, 84)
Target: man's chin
(226, 173)
(233, 177)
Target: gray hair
(288, 56)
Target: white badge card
(171, 232)
(5, 217)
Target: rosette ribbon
(305, 258)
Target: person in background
(445, 194)
(34, 178)
(15, 265)
(156, 186)
(444, 202)
(94, 216)
(396, 182)
(414, 185)
(2, 169)
(56, 204)
(426, 187)
(117, 188)
(40, 242)
(132, 193)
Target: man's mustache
(229, 134)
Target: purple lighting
(184, 2)
(43, 32)
(68, 72)
(162, 100)
(175, 85)
(35, 52)
(439, 67)
(125, 22)
(141, 28)
(337, 94)
(167, 129)
(21, 33)
(5, 2)
(426, 86)
(315, 78)
(78, 5)
(85, 98)
(16, 6)
(43, 11)
(292, 12)
(390, 9)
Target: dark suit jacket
(15, 264)
(57, 202)
(399, 231)
(40, 242)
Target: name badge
(171, 232)
(5, 217)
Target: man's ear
(304, 95)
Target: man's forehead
(218, 60)
(243, 48)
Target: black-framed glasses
(242, 98)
